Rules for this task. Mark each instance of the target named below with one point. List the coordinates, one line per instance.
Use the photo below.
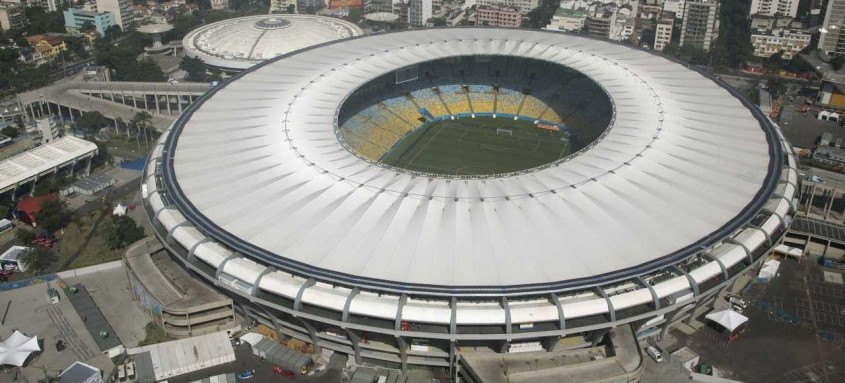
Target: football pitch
(477, 146)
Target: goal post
(504, 132)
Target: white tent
(727, 318)
(119, 210)
(17, 348)
(769, 269)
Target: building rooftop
(43, 158)
(661, 183)
(242, 42)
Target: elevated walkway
(114, 99)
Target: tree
(75, 45)
(37, 259)
(773, 63)
(91, 122)
(837, 62)
(41, 21)
(775, 86)
(9, 131)
(142, 121)
(53, 215)
(437, 21)
(539, 17)
(194, 67)
(24, 237)
(733, 45)
(122, 231)
(87, 27)
(103, 156)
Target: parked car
(247, 374)
(654, 354)
(737, 301)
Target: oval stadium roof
(242, 42)
(257, 165)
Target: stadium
(236, 44)
(414, 198)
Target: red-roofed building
(27, 208)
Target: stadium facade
(236, 44)
(688, 187)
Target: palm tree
(142, 121)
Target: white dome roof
(245, 41)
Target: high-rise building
(11, 16)
(701, 23)
(674, 6)
(832, 40)
(419, 12)
(663, 30)
(774, 7)
(121, 9)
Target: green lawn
(475, 146)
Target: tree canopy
(733, 46)
(91, 122)
(539, 17)
(53, 215)
(194, 67)
(122, 231)
(37, 259)
(41, 21)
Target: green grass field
(476, 147)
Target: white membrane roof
(242, 42)
(259, 164)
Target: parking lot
(31, 312)
(795, 330)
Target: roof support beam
(397, 324)
(772, 212)
(561, 319)
(711, 258)
(508, 323)
(748, 252)
(267, 270)
(352, 294)
(655, 300)
(356, 344)
(453, 320)
(172, 229)
(403, 352)
(223, 265)
(691, 281)
(755, 227)
(610, 308)
(191, 256)
(298, 302)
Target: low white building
(9, 259)
(568, 20)
(768, 42)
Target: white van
(654, 354)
